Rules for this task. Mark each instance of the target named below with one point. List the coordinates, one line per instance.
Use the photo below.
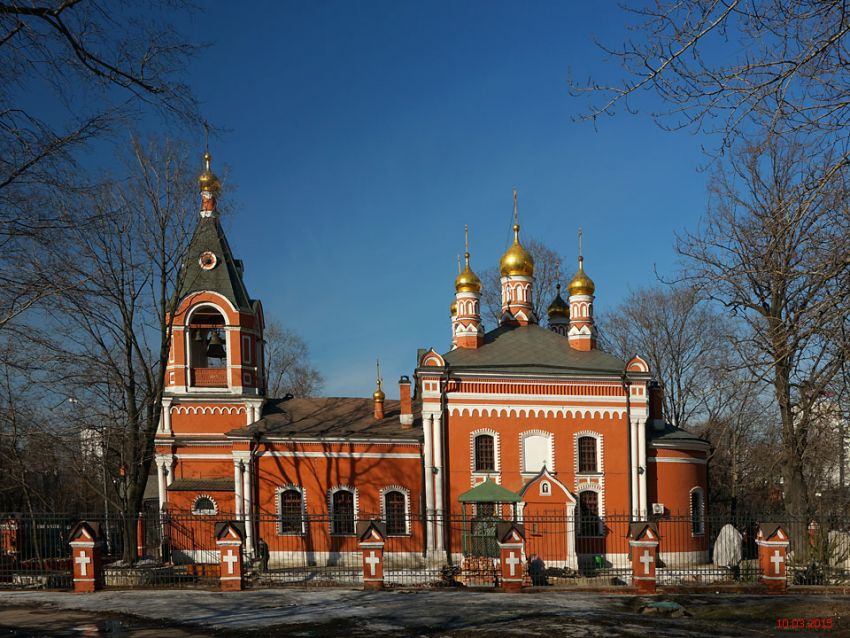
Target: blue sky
(362, 136)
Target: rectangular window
(587, 455)
(291, 512)
(697, 514)
(395, 512)
(589, 521)
(342, 504)
(485, 453)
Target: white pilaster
(641, 437)
(163, 482)
(438, 480)
(572, 557)
(634, 473)
(237, 488)
(429, 477)
(165, 417)
(248, 509)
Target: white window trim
(198, 512)
(600, 455)
(278, 493)
(404, 492)
(331, 492)
(698, 490)
(550, 461)
(497, 461)
(548, 491)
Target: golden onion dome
(378, 395)
(558, 307)
(453, 308)
(467, 281)
(207, 179)
(516, 261)
(581, 284)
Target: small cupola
(378, 395)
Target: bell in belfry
(215, 348)
(199, 335)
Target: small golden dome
(516, 261)
(581, 283)
(467, 281)
(558, 307)
(378, 395)
(207, 179)
(453, 308)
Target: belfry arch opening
(208, 354)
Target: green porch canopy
(489, 492)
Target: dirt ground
(456, 614)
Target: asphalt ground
(459, 614)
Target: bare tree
(93, 65)
(287, 361)
(110, 327)
(723, 65)
(682, 339)
(774, 249)
(547, 273)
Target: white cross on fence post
(647, 560)
(372, 561)
(82, 560)
(512, 562)
(231, 559)
(777, 559)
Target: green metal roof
(225, 278)
(489, 492)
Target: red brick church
(520, 421)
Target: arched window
(587, 455)
(395, 513)
(204, 506)
(589, 521)
(207, 339)
(485, 453)
(342, 512)
(697, 511)
(291, 511)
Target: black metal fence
(178, 549)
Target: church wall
(671, 483)
(612, 484)
(207, 418)
(563, 431)
(321, 468)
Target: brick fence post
(372, 535)
(229, 538)
(773, 542)
(643, 544)
(86, 554)
(511, 540)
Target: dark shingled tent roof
(672, 435)
(225, 278)
(205, 484)
(331, 417)
(531, 350)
